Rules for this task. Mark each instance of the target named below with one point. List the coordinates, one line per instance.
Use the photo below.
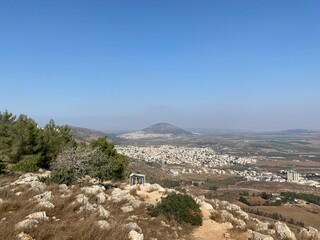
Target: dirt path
(211, 230)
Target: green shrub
(86, 160)
(26, 165)
(181, 207)
(3, 166)
(59, 177)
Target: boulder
(206, 205)
(259, 236)
(32, 179)
(127, 209)
(101, 197)
(46, 204)
(118, 195)
(102, 211)
(86, 205)
(1, 201)
(228, 217)
(283, 232)
(261, 226)
(94, 189)
(24, 236)
(147, 187)
(46, 196)
(132, 226)
(27, 224)
(103, 224)
(40, 216)
(133, 235)
(63, 188)
(310, 233)
(38, 186)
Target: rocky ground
(30, 209)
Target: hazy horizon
(243, 65)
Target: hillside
(157, 131)
(85, 134)
(166, 128)
(93, 209)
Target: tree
(87, 160)
(54, 139)
(104, 146)
(18, 137)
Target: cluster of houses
(193, 156)
(206, 160)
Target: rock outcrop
(283, 232)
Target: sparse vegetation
(180, 207)
(214, 184)
(291, 196)
(275, 216)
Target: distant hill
(297, 131)
(166, 128)
(86, 134)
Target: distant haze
(125, 65)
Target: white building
(293, 176)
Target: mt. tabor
(159, 130)
(166, 128)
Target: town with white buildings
(206, 160)
(194, 156)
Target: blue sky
(108, 65)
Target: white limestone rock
(102, 211)
(206, 205)
(127, 209)
(63, 188)
(103, 224)
(228, 217)
(40, 216)
(38, 186)
(132, 226)
(94, 189)
(27, 224)
(118, 195)
(46, 196)
(259, 236)
(46, 204)
(283, 232)
(101, 197)
(310, 233)
(24, 236)
(147, 187)
(133, 235)
(261, 226)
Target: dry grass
(14, 209)
(67, 223)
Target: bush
(59, 177)
(180, 207)
(26, 165)
(3, 166)
(96, 162)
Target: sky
(124, 65)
